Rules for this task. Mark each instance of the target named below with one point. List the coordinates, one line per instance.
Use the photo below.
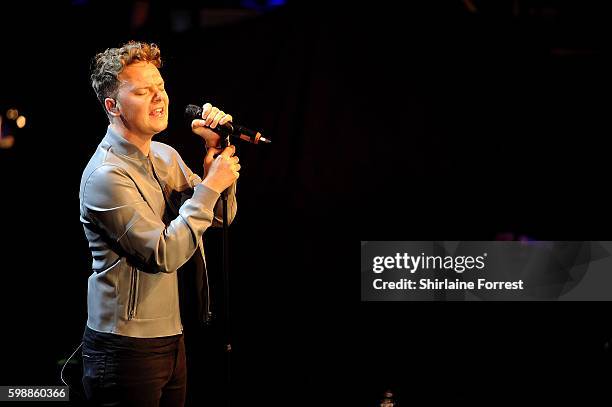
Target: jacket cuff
(205, 196)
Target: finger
(197, 123)
(236, 159)
(228, 151)
(211, 115)
(206, 110)
(218, 117)
(237, 167)
(225, 119)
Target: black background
(459, 120)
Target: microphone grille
(193, 112)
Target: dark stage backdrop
(432, 122)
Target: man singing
(144, 213)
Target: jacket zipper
(133, 293)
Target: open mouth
(159, 112)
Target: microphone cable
(63, 367)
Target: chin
(161, 127)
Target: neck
(143, 142)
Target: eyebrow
(148, 86)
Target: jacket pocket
(133, 293)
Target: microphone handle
(239, 132)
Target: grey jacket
(139, 236)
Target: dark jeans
(124, 371)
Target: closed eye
(143, 92)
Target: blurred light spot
(470, 6)
(180, 20)
(140, 13)
(12, 114)
(262, 5)
(210, 17)
(7, 141)
(21, 121)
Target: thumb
(195, 123)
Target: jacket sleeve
(232, 204)
(231, 207)
(113, 202)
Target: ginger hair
(107, 65)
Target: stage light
(21, 121)
(12, 114)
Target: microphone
(228, 129)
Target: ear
(111, 107)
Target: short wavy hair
(107, 65)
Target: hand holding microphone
(220, 166)
(211, 117)
(208, 119)
(221, 172)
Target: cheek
(140, 110)
(133, 108)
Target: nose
(157, 96)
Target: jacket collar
(121, 146)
